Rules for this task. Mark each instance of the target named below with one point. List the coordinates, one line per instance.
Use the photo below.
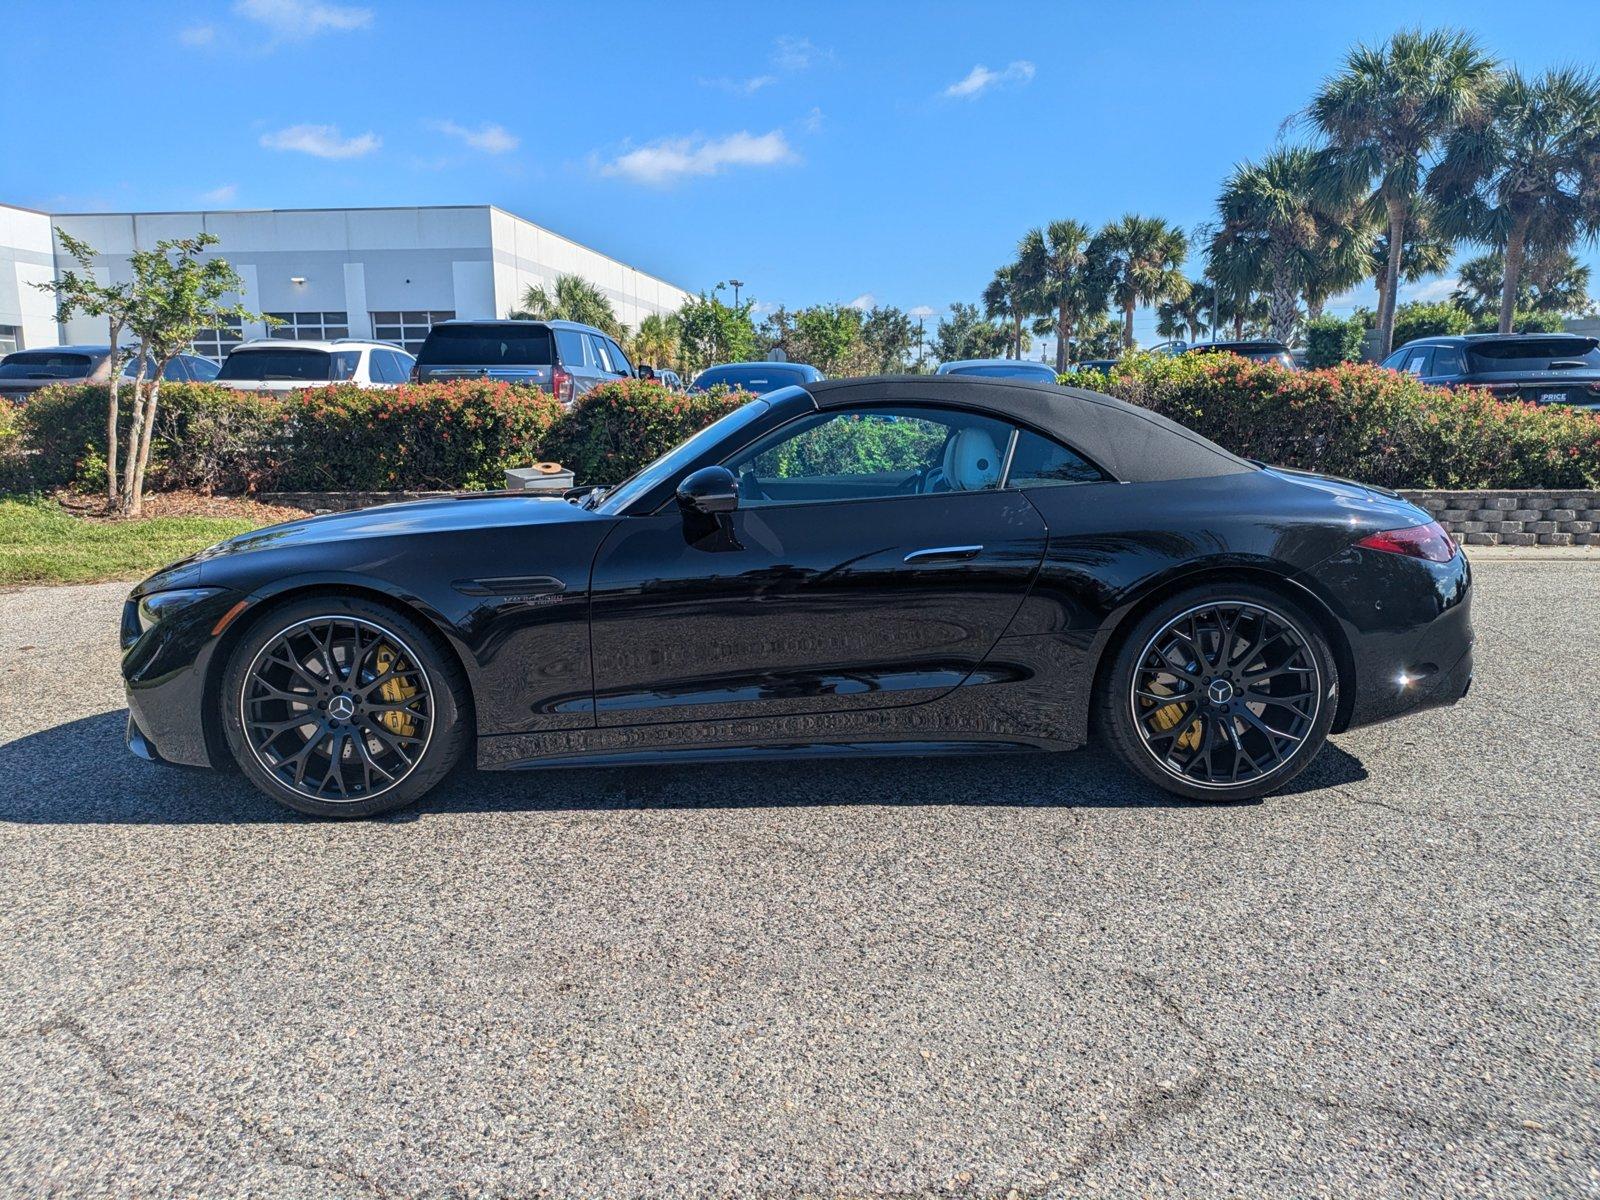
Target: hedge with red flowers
(463, 434)
(1364, 422)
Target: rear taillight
(415, 375)
(1594, 389)
(1502, 389)
(1431, 541)
(561, 385)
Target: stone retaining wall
(1488, 518)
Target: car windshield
(44, 364)
(1534, 354)
(486, 346)
(261, 366)
(614, 500)
(1012, 371)
(744, 377)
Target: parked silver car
(24, 372)
(278, 365)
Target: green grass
(39, 543)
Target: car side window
(203, 368)
(574, 348)
(597, 351)
(1039, 462)
(1447, 360)
(1418, 359)
(619, 360)
(344, 364)
(175, 371)
(873, 453)
(1396, 361)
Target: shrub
(1417, 320)
(617, 428)
(1333, 340)
(1367, 423)
(14, 473)
(453, 435)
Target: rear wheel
(1220, 693)
(339, 706)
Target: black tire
(382, 727)
(1157, 710)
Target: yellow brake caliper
(1170, 714)
(395, 691)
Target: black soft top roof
(1134, 444)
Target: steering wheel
(932, 477)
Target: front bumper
(166, 674)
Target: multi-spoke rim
(337, 709)
(1226, 693)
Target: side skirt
(713, 754)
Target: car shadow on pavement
(80, 773)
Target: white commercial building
(384, 273)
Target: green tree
(1552, 281)
(1417, 320)
(570, 298)
(1006, 298)
(1185, 319)
(965, 334)
(1145, 258)
(176, 294)
(1385, 114)
(713, 332)
(1425, 251)
(656, 340)
(891, 338)
(1526, 176)
(80, 291)
(830, 338)
(1057, 265)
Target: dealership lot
(880, 977)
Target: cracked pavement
(970, 977)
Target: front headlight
(158, 606)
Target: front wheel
(341, 707)
(1220, 693)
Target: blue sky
(819, 152)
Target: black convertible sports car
(917, 565)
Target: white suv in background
(280, 365)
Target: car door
(1448, 365)
(872, 562)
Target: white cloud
(198, 35)
(321, 141)
(1430, 291)
(671, 159)
(791, 53)
(922, 312)
(293, 20)
(739, 87)
(980, 79)
(491, 139)
(864, 301)
(812, 121)
(221, 195)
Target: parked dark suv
(1261, 351)
(1547, 368)
(563, 357)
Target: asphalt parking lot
(893, 978)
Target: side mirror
(708, 491)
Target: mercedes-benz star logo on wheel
(341, 708)
(1220, 691)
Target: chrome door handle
(943, 554)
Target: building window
(216, 341)
(408, 330)
(10, 338)
(309, 326)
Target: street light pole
(736, 284)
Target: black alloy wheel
(1221, 696)
(337, 706)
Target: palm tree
(656, 342)
(573, 298)
(1006, 299)
(1424, 253)
(1185, 319)
(1552, 281)
(1385, 114)
(1145, 256)
(1272, 213)
(1527, 174)
(1054, 261)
